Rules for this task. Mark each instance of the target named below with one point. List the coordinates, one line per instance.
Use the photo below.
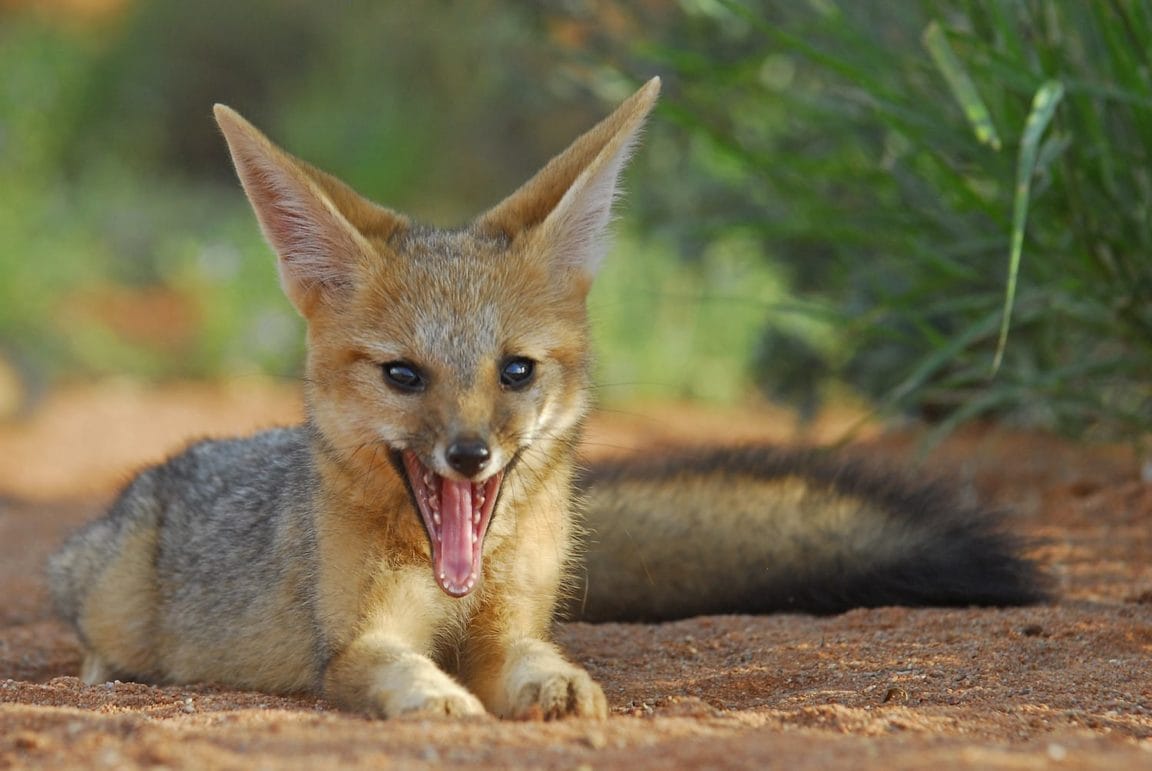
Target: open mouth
(456, 515)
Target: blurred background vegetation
(941, 206)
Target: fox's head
(455, 352)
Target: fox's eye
(517, 372)
(404, 377)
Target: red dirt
(1066, 683)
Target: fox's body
(407, 548)
(232, 563)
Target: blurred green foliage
(963, 189)
(829, 194)
(127, 246)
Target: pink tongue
(456, 548)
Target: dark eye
(404, 377)
(517, 373)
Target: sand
(1067, 684)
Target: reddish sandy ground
(1066, 684)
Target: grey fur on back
(231, 519)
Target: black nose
(468, 456)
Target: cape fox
(407, 549)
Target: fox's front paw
(568, 692)
(540, 684)
(414, 686)
(386, 682)
(442, 702)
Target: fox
(409, 548)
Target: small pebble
(895, 694)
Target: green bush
(919, 168)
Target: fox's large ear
(568, 204)
(318, 226)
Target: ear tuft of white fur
(579, 225)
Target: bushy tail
(756, 530)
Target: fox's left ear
(568, 204)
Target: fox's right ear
(316, 224)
